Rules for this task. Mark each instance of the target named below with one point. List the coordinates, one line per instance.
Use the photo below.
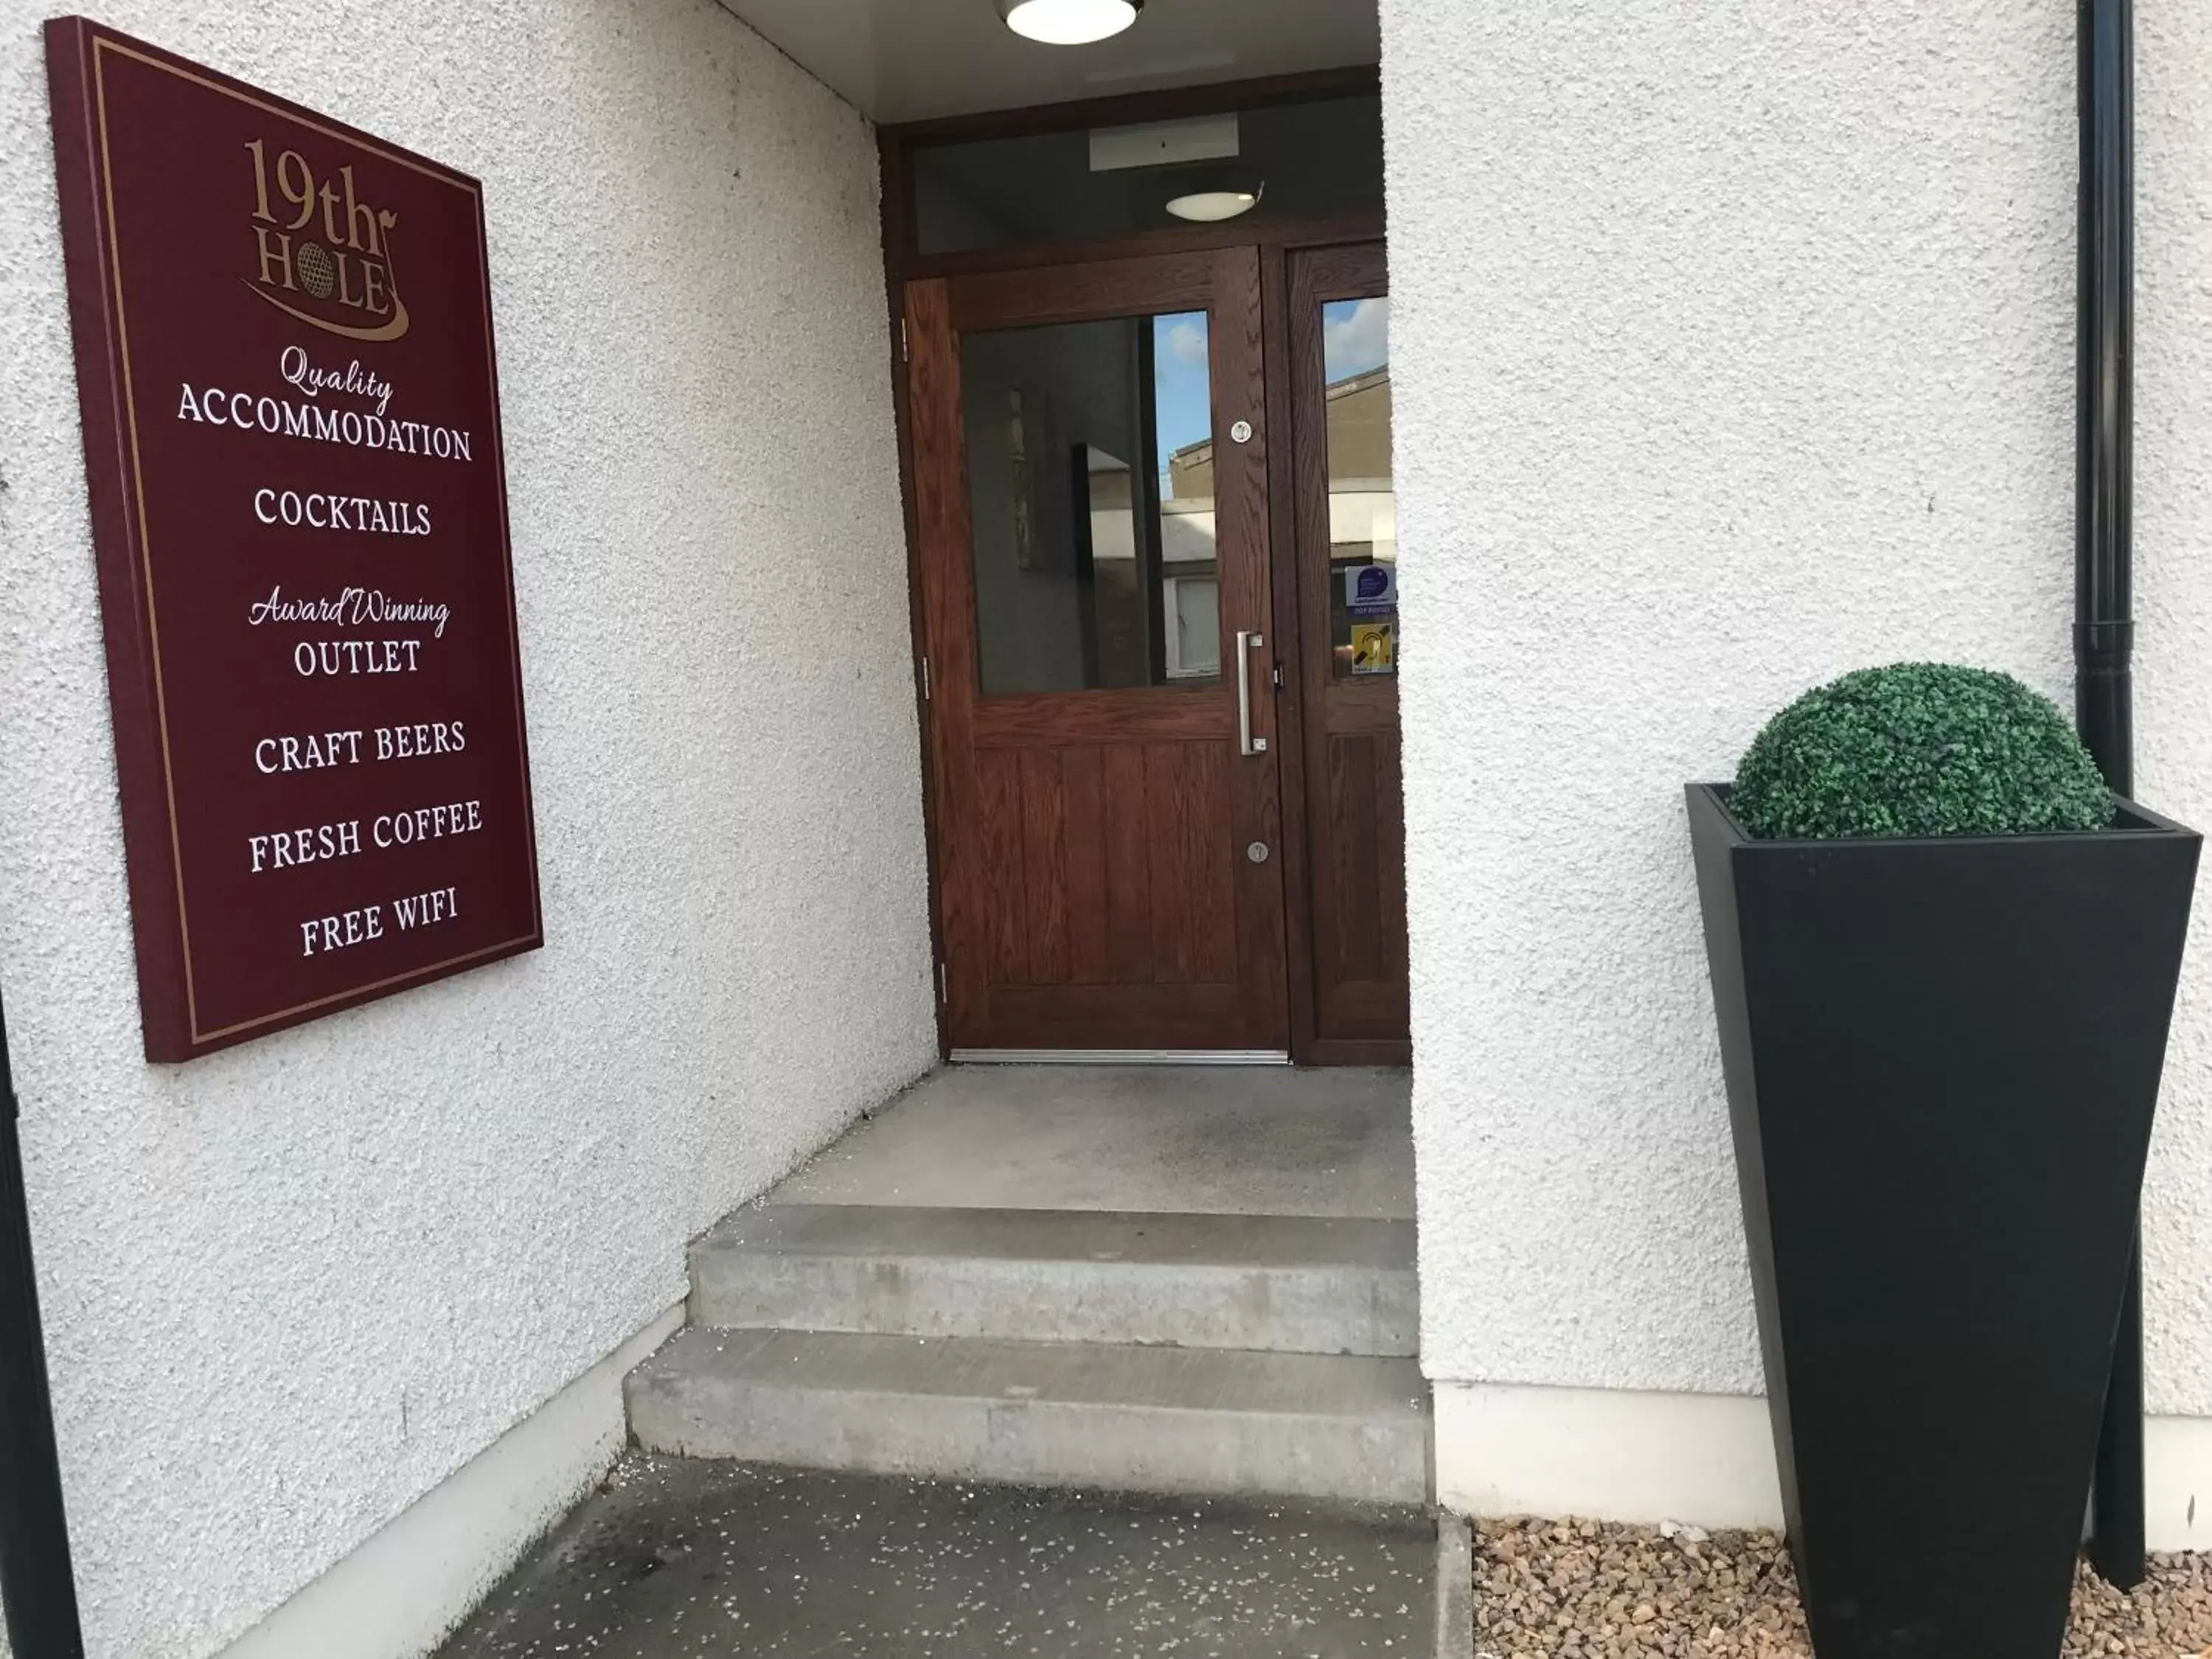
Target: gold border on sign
(100, 45)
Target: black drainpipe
(36, 1586)
(2104, 629)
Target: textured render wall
(290, 1287)
(2173, 652)
(1733, 349)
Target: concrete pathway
(685, 1559)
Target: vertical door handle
(1247, 643)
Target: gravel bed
(1551, 1589)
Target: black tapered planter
(1942, 1058)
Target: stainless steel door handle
(1247, 643)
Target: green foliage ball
(1918, 749)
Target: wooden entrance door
(1091, 495)
(1347, 778)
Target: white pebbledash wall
(292, 1288)
(1735, 349)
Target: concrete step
(1041, 1413)
(1300, 1284)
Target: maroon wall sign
(291, 425)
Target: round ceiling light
(1209, 207)
(1069, 22)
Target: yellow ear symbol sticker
(1374, 647)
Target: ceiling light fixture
(1069, 22)
(1209, 207)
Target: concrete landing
(1219, 1139)
(1154, 1419)
(1303, 1284)
(695, 1560)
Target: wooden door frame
(1275, 242)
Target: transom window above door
(1313, 159)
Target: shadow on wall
(374, 1243)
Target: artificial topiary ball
(1918, 749)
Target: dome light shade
(1211, 206)
(1069, 22)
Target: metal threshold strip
(1120, 1057)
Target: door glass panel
(1363, 512)
(1090, 499)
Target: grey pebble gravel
(1552, 1590)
